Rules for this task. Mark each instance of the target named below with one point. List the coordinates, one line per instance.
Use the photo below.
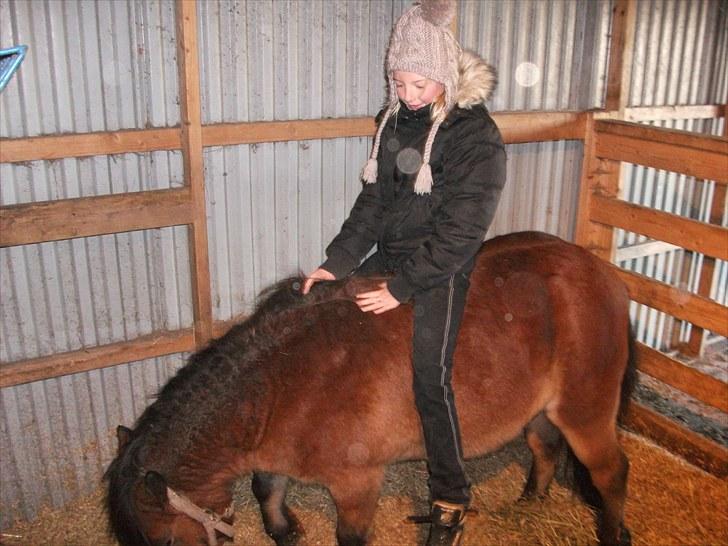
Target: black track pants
(437, 315)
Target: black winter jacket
(424, 239)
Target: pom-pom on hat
(421, 43)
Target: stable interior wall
(271, 207)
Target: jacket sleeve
(474, 169)
(358, 234)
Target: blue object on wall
(10, 60)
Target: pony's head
(143, 510)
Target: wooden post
(694, 346)
(191, 136)
(624, 15)
(598, 177)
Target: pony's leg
(545, 441)
(355, 493)
(597, 448)
(279, 522)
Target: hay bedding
(670, 503)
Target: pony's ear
(123, 435)
(157, 486)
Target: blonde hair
(437, 106)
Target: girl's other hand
(318, 275)
(378, 301)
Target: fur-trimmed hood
(476, 80)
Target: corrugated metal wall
(107, 65)
(91, 66)
(273, 207)
(549, 56)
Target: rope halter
(210, 520)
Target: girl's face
(416, 91)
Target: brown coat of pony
(312, 388)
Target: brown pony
(311, 388)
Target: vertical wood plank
(191, 136)
(621, 48)
(598, 177)
(694, 345)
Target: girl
(432, 183)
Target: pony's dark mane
(224, 368)
(224, 372)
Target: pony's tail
(629, 381)
(578, 473)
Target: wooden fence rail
(607, 144)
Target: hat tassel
(423, 183)
(369, 172)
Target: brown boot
(446, 524)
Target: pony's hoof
(294, 534)
(625, 538)
(444, 536)
(291, 539)
(530, 497)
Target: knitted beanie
(421, 43)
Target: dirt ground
(670, 503)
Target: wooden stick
(621, 48)
(700, 386)
(676, 302)
(598, 176)
(229, 134)
(701, 156)
(94, 358)
(88, 216)
(694, 346)
(664, 113)
(649, 135)
(517, 127)
(192, 160)
(696, 449)
(684, 232)
(13, 150)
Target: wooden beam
(640, 250)
(521, 127)
(598, 176)
(664, 113)
(701, 156)
(621, 47)
(675, 137)
(102, 356)
(228, 134)
(700, 386)
(154, 345)
(517, 127)
(193, 163)
(89, 216)
(696, 449)
(88, 144)
(676, 302)
(687, 233)
(694, 345)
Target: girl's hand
(318, 275)
(378, 301)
